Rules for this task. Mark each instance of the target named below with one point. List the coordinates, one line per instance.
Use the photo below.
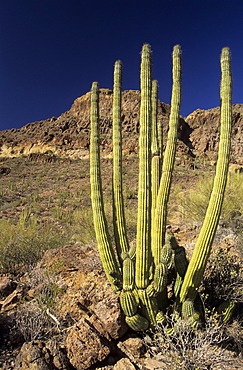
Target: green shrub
(193, 202)
(22, 244)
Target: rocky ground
(83, 328)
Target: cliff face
(205, 125)
(68, 134)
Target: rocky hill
(68, 134)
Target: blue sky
(52, 50)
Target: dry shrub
(223, 278)
(32, 322)
(190, 349)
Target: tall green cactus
(155, 152)
(141, 272)
(169, 159)
(106, 251)
(118, 204)
(143, 247)
(203, 246)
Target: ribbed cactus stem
(143, 246)
(118, 203)
(154, 107)
(203, 245)
(169, 159)
(106, 252)
(155, 163)
(160, 141)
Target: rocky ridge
(68, 134)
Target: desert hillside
(68, 134)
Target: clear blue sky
(52, 50)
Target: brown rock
(205, 125)
(7, 286)
(88, 292)
(59, 359)
(133, 347)
(31, 357)
(10, 300)
(106, 308)
(124, 364)
(85, 347)
(152, 364)
(38, 355)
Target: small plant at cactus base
(154, 276)
(191, 349)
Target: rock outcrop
(68, 134)
(205, 126)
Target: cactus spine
(203, 246)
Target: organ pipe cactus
(203, 246)
(140, 273)
(168, 160)
(155, 152)
(118, 206)
(106, 251)
(143, 241)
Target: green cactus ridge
(155, 152)
(118, 208)
(160, 318)
(151, 290)
(160, 277)
(188, 309)
(137, 322)
(154, 107)
(158, 239)
(204, 242)
(128, 274)
(226, 310)
(106, 252)
(177, 285)
(149, 306)
(155, 164)
(130, 254)
(160, 142)
(166, 254)
(128, 303)
(143, 248)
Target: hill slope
(68, 134)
